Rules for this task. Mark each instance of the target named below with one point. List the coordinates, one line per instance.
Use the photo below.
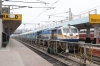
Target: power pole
(70, 14)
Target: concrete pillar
(96, 33)
(88, 36)
(88, 33)
(0, 32)
(67, 50)
(0, 23)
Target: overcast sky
(38, 15)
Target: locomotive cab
(68, 34)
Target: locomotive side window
(91, 31)
(59, 32)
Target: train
(65, 33)
(82, 34)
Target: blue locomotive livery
(65, 33)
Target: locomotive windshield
(65, 30)
(73, 30)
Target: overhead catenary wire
(44, 10)
(57, 14)
(38, 15)
(26, 6)
(52, 5)
(89, 9)
(55, 2)
(77, 13)
(27, 2)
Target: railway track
(56, 61)
(95, 59)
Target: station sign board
(12, 17)
(94, 18)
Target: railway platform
(16, 54)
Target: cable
(55, 2)
(57, 13)
(44, 11)
(89, 9)
(39, 14)
(27, 2)
(52, 5)
(57, 16)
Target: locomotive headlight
(65, 35)
(76, 35)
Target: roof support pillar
(88, 40)
(96, 33)
(0, 32)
